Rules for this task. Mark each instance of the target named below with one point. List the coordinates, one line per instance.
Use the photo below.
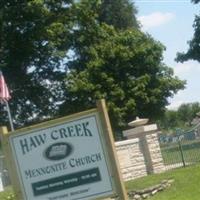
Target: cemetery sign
(67, 158)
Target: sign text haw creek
(66, 160)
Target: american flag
(4, 93)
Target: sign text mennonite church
(69, 158)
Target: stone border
(147, 192)
(150, 191)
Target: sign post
(101, 106)
(68, 158)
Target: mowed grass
(186, 184)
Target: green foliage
(7, 194)
(186, 112)
(170, 120)
(194, 44)
(34, 38)
(41, 40)
(119, 13)
(181, 118)
(124, 67)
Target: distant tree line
(180, 118)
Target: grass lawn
(185, 187)
(6, 194)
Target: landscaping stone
(150, 191)
(154, 192)
(147, 192)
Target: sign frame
(108, 147)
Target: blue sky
(170, 22)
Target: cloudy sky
(170, 21)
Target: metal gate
(181, 149)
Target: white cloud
(174, 105)
(189, 67)
(155, 19)
(190, 72)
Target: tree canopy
(124, 67)
(194, 44)
(59, 57)
(34, 39)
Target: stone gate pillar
(149, 143)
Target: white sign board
(63, 161)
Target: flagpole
(9, 115)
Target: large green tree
(124, 67)
(194, 44)
(34, 39)
(42, 39)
